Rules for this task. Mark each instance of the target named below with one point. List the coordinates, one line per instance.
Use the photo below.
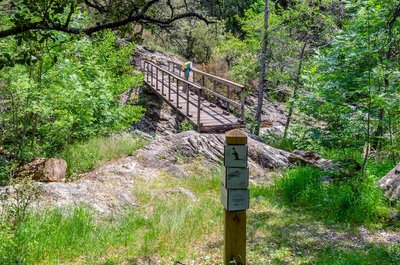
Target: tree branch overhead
(122, 14)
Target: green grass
(354, 201)
(369, 255)
(55, 235)
(186, 125)
(180, 219)
(168, 224)
(82, 157)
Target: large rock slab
(191, 146)
(391, 184)
(111, 187)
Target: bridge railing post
(242, 102)
(152, 76)
(162, 83)
(214, 98)
(169, 87)
(187, 102)
(199, 110)
(147, 72)
(177, 94)
(157, 80)
(228, 92)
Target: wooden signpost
(235, 197)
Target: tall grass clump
(56, 235)
(356, 200)
(85, 156)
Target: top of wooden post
(236, 136)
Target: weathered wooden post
(169, 87)
(242, 103)
(213, 99)
(157, 79)
(235, 197)
(177, 94)
(162, 83)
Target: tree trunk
(262, 70)
(296, 88)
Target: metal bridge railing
(155, 74)
(210, 83)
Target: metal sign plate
(236, 178)
(234, 200)
(236, 156)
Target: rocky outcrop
(110, 188)
(159, 118)
(44, 170)
(391, 184)
(273, 114)
(192, 145)
(309, 158)
(106, 190)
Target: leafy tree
(70, 91)
(355, 80)
(229, 10)
(294, 31)
(311, 23)
(61, 15)
(262, 68)
(195, 39)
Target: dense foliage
(69, 92)
(354, 84)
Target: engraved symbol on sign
(236, 156)
(234, 174)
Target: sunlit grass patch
(353, 201)
(181, 219)
(84, 156)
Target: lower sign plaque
(236, 178)
(234, 200)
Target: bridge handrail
(216, 79)
(199, 89)
(174, 75)
(213, 77)
(227, 100)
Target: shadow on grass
(279, 235)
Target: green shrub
(186, 126)
(69, 93)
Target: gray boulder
(391, 184)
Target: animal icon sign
(236, 156)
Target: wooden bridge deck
(190, 103)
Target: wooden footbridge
(211, 103)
